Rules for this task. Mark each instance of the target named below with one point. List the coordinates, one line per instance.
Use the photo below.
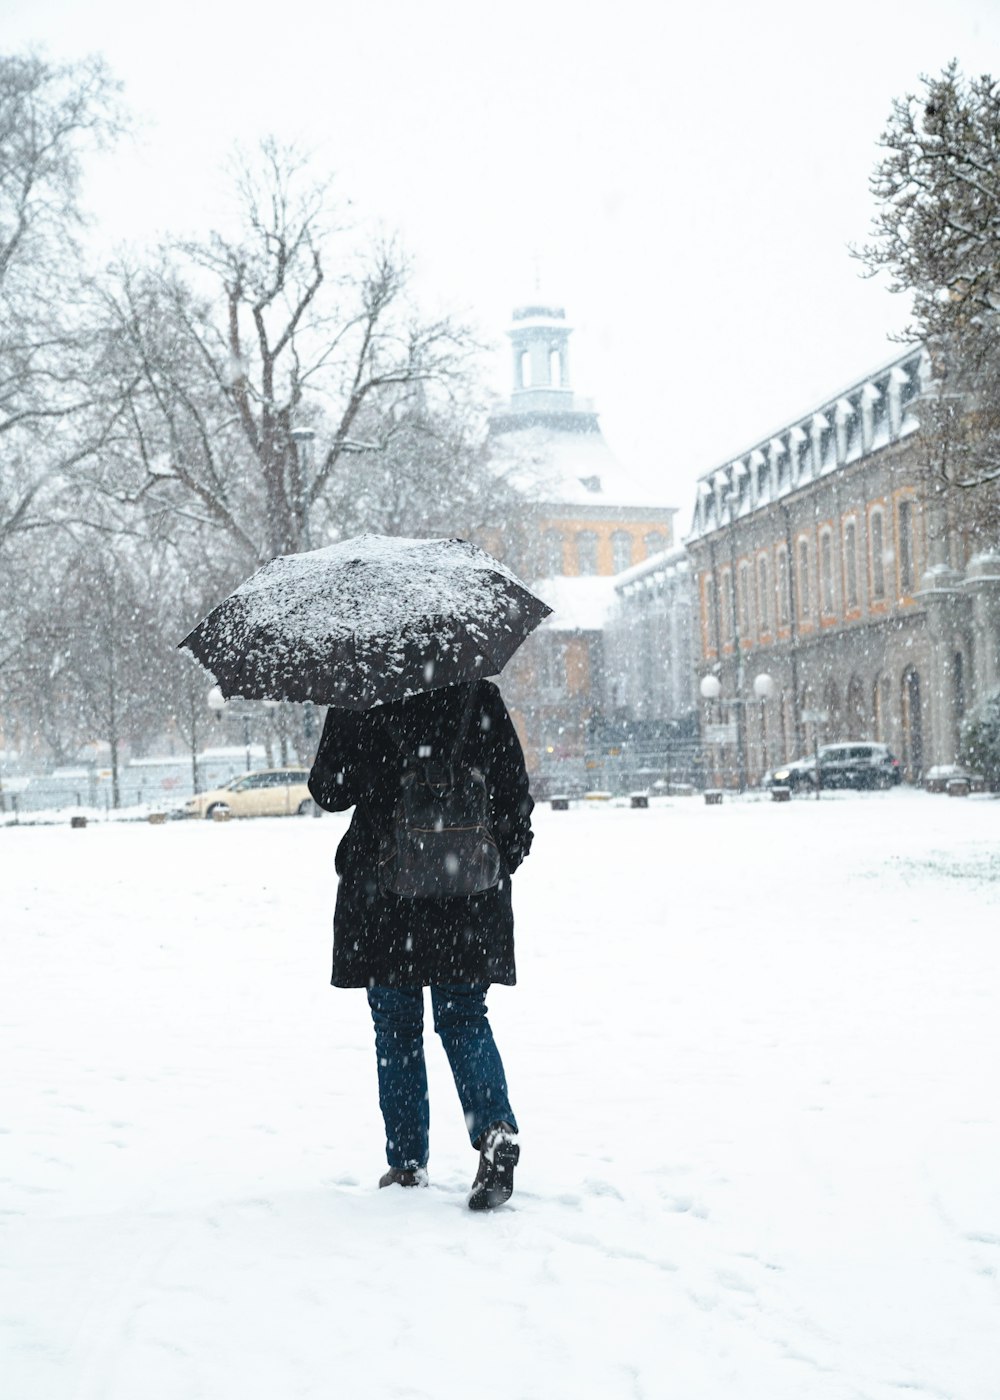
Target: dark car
(852, 765)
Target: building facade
(816, 562)
(650, 639)
(587, 521)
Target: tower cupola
(539, 339)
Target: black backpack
(439, 844)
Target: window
(551, 668)
(524, 369)
(555, 369)
(763, 483)
(552, 547)
(784, 595)
(763, 600)
(586, 552)
(826, 571)
(743, 601)
(655, 542)
(851, 565)
(708, 614)
(726, 594)
(621, 551)
(803, 579)
(877, 535)
(905, 524)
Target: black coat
(387, 940)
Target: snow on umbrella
(364, 622)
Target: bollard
(713, 797)
(78, 823)
(781, 794)
(559, 804)
(638, 799)
(157, 818)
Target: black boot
(404, 1176)
(498, 1156)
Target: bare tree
(232, 353)
(49, 117)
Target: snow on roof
(674, 558)
(570, 469)
(580, 604)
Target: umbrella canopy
(364, 622)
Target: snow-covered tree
(937, 235)
(980, 743)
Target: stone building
(650, 640)
(816, 562)
(585, 521)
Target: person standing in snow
(395, 946)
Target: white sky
(686, 182)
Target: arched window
(881, 704)
(551, 668)
(876, 534)
(743, 601)
(805, 603)
(904, 521)
(552, 546)
(586, 552)
(911, 713)
(856, 723)
(851, 565)
(763, 594)
(524, 369)
(826, 572)
(726, 599)
(555, 369)
(621, 551)
(708, 613)
(655, 542)
(784, 594)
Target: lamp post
(217, 704)
(710, 688)
(302, 438)
(763, 688)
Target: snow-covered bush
(980, 743)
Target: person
(458, 946)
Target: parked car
(855, 765)
(272, 792)
(936, 779)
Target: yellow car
(273, 792)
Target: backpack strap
(463, 725)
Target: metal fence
(623, 769)
(155, 784)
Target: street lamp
(217, 704)
(303, 439)
(711, 688)
(763, 688)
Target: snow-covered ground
(754, 1051)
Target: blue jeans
(460, 1021)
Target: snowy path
(754, 1053)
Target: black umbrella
(361, 623)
